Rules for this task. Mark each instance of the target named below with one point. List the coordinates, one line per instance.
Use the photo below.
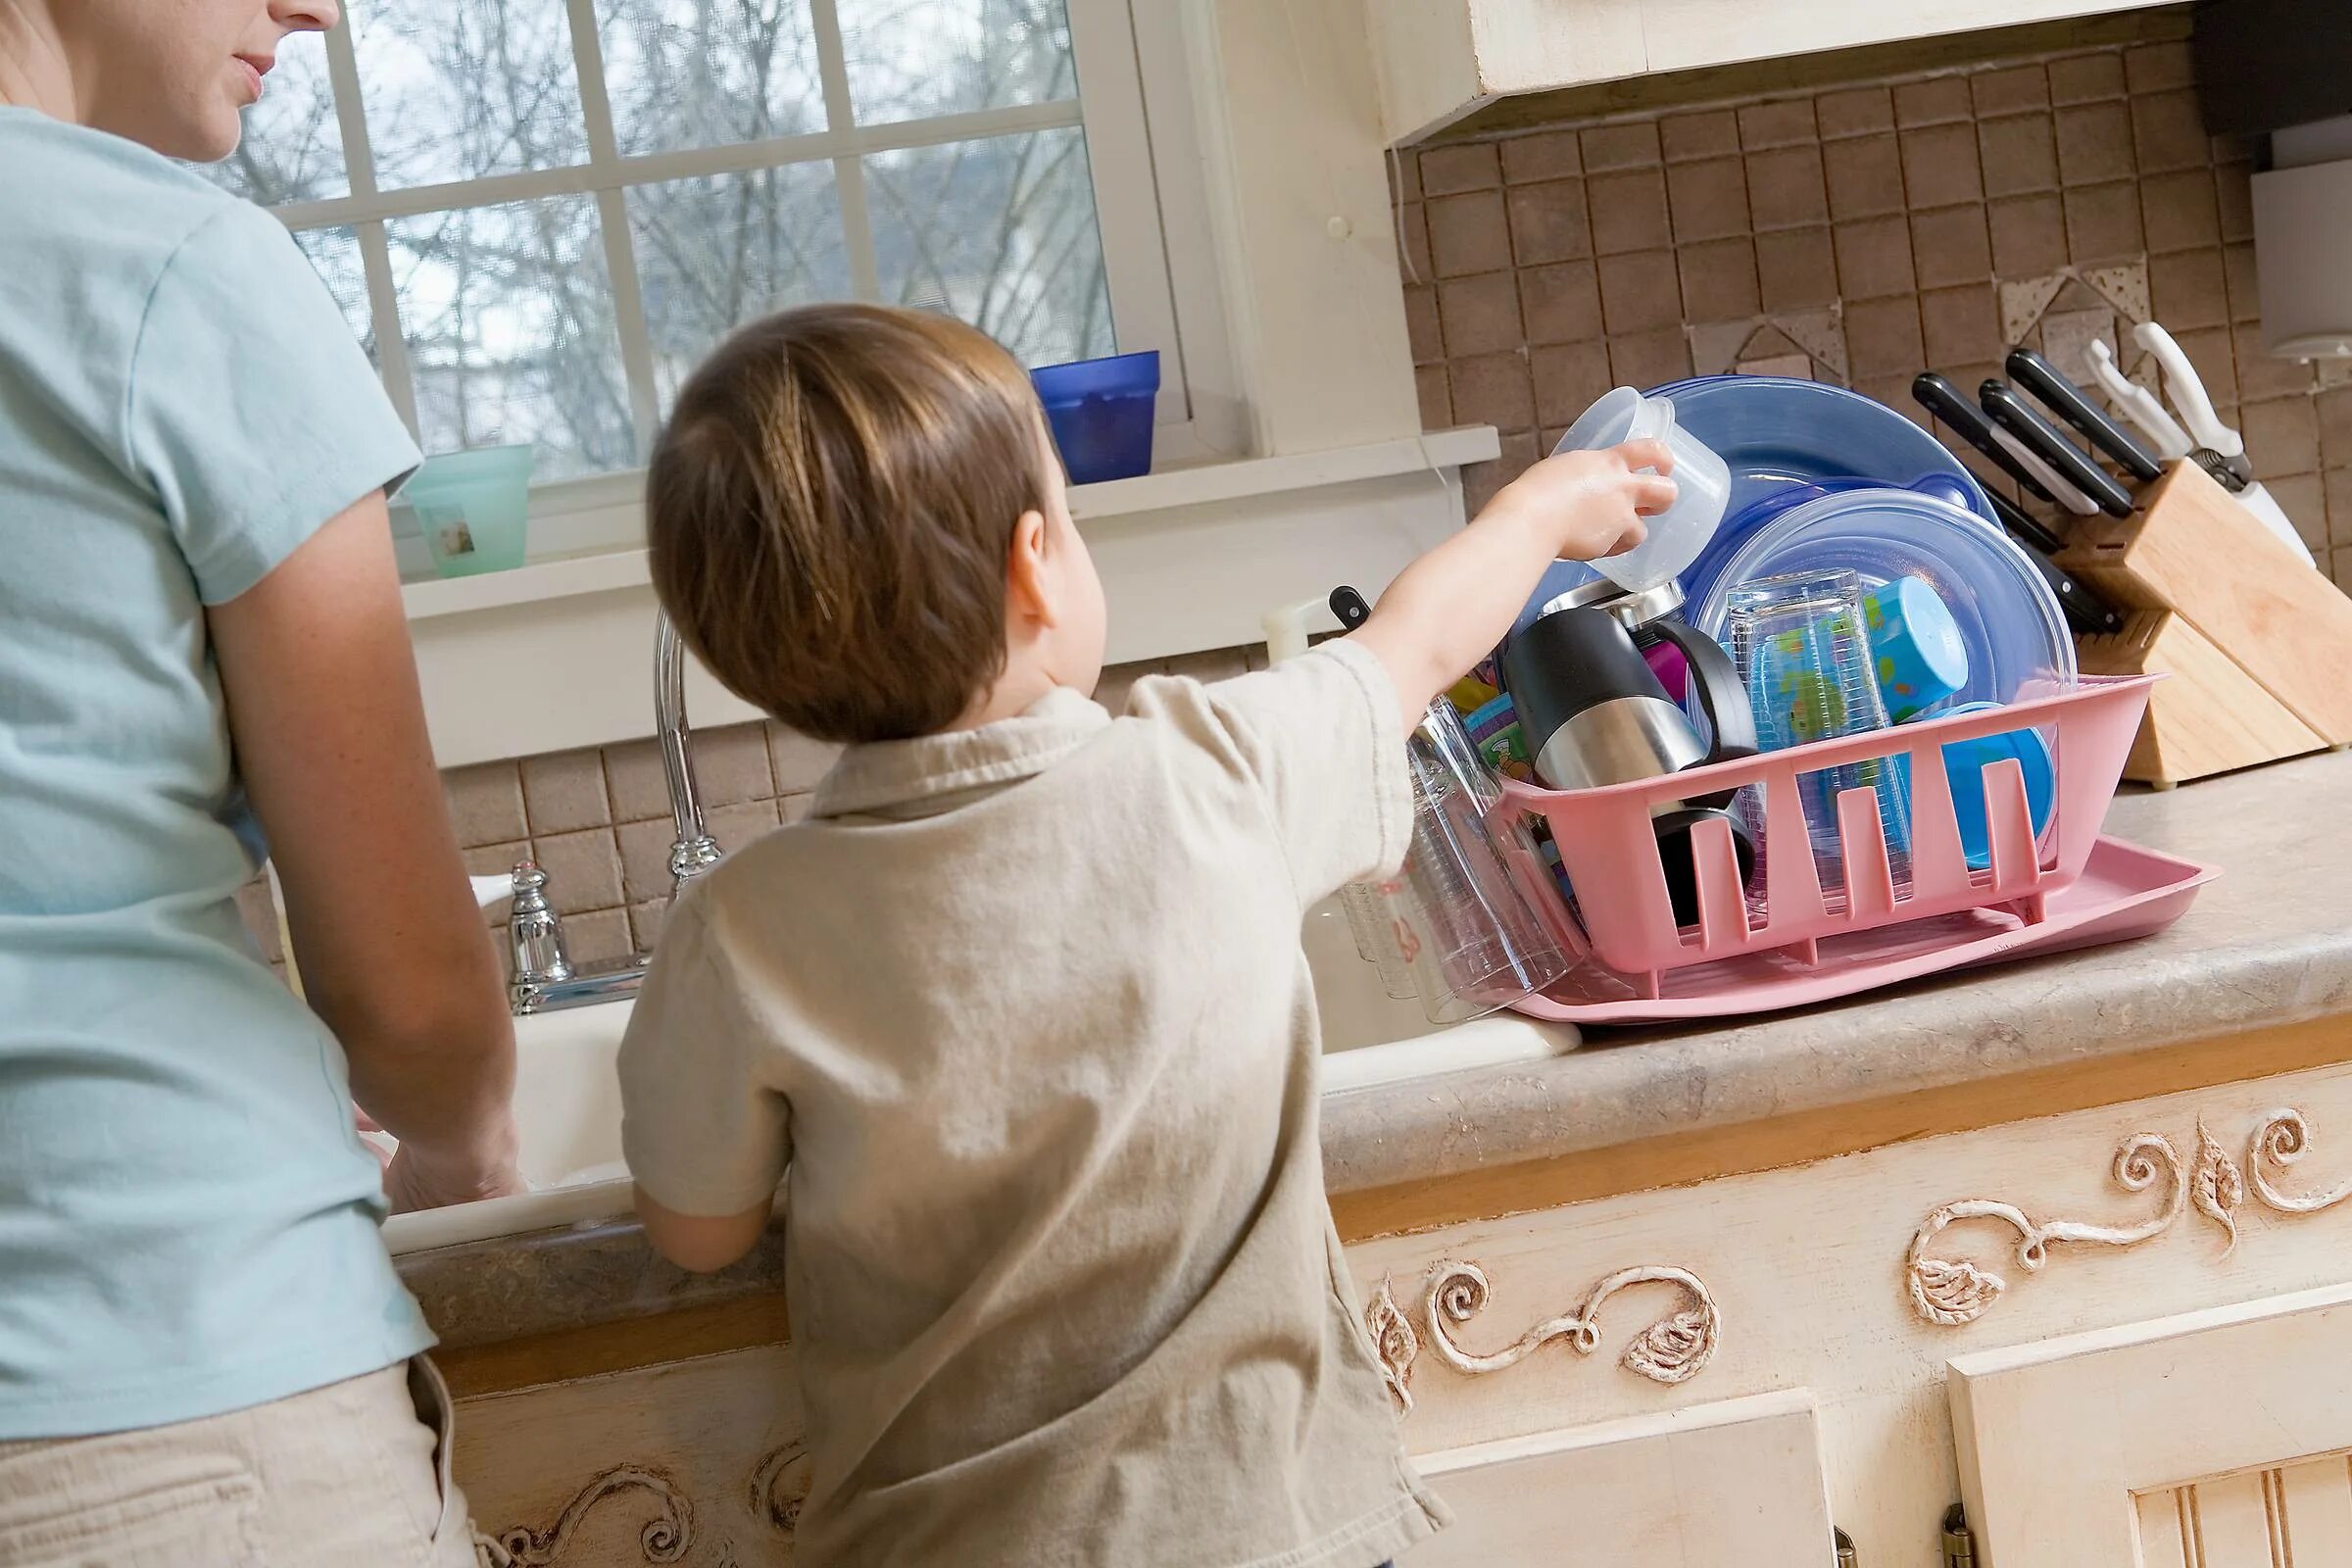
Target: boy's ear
(1027, 581)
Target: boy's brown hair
(831, 511)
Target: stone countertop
(2267, 944)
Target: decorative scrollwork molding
(664, 1540)
(1394, 1343)
(1952, 1291)
(780, 1486)
(2215, 1188)
(2277, 1143)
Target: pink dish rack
(1623, 920)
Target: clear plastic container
(1702, 485)
(473, 509)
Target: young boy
(1021, 1008)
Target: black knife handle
(2016, 415)
(2087, 613)
(2022, 526)
(2063, 398)
(1946, 401)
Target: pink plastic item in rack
(1624, 919)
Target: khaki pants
(353, 1473)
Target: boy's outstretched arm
(1447, 609)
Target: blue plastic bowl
(1101, 412)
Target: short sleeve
(252, 410)
(702, 1131)
(1321, 737)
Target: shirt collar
(889, 776)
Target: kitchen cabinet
(2211, 1439)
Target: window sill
(558, 653)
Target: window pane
(909, 58)
(457, 89)
(508, 314)
(708, 73)
(712, 254)
(335, 254)
(1000, 232)
(293, 146)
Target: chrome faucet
(544, 979)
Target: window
(539, 214)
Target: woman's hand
(418, 1178)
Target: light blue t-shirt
(188, 1223)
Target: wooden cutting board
(2210, 717)
(2196, 552)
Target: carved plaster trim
(1672, 1350)
(2276, 1144)
(780, 1486)
(664, 1540)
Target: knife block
(2253, 636)
(2210, 717)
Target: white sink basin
(568, 1097)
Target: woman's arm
(331, 742)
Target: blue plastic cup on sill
(473, 509)
(1102, 413)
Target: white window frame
(1151, 201)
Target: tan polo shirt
(1024, 1012)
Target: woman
(204, 1350)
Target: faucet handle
(536, 932)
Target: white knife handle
(2187, 391)
(2138, 405)
(2065, 493)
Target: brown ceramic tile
(1492, 389)
(2009, 90)
(2343, 571)
(2086, 78)
(1629, 210)
(2158, 66)
(1951, 246)
(1719, 280)
(2245, 287)
(1421, 324)
(2185, 290)
(2028, 236)
(1404, 176)
(645, 923)
(1895, 391)
(2335, 410)
(796, 762)
(2233, 149)
(1939, 167)
(1854, 112)
(1797, 268)
(2102, 223)
(1449, 170)
(599, 937)
(1468, 234)
(2234, 193)
(2211, 355)
(735, 827)
(1959, 326)
(2339, 508)
(1437, 403)
(2020, 154)
(1481, 313)
(2263, 374)
(2168, 132)
(583, 869)
(1560, 304)
(1865, 177)
(1412, 226)
(2094, 143)
(1621, 146)
(1480, 480)
(1874, 259)
(1547, 155)
(1882, 336)
(1649, 359)
(1638, 292)
(1940, 100)
(1710, 133)
(485, 803)
(729, 764)
(2180, 211)
(1785, 188)
(565, 789)
(1708, 200)
(1787, 123)
(1568, 378)
(2303, 496)
(1549, 221)
(645, 858)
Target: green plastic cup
(473, 509)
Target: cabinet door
(1705, 1487)
(2212, 1439)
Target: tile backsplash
(1860, 234)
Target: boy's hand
(1588, 504)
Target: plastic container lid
(1964, 764)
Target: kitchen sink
(567, 1098)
